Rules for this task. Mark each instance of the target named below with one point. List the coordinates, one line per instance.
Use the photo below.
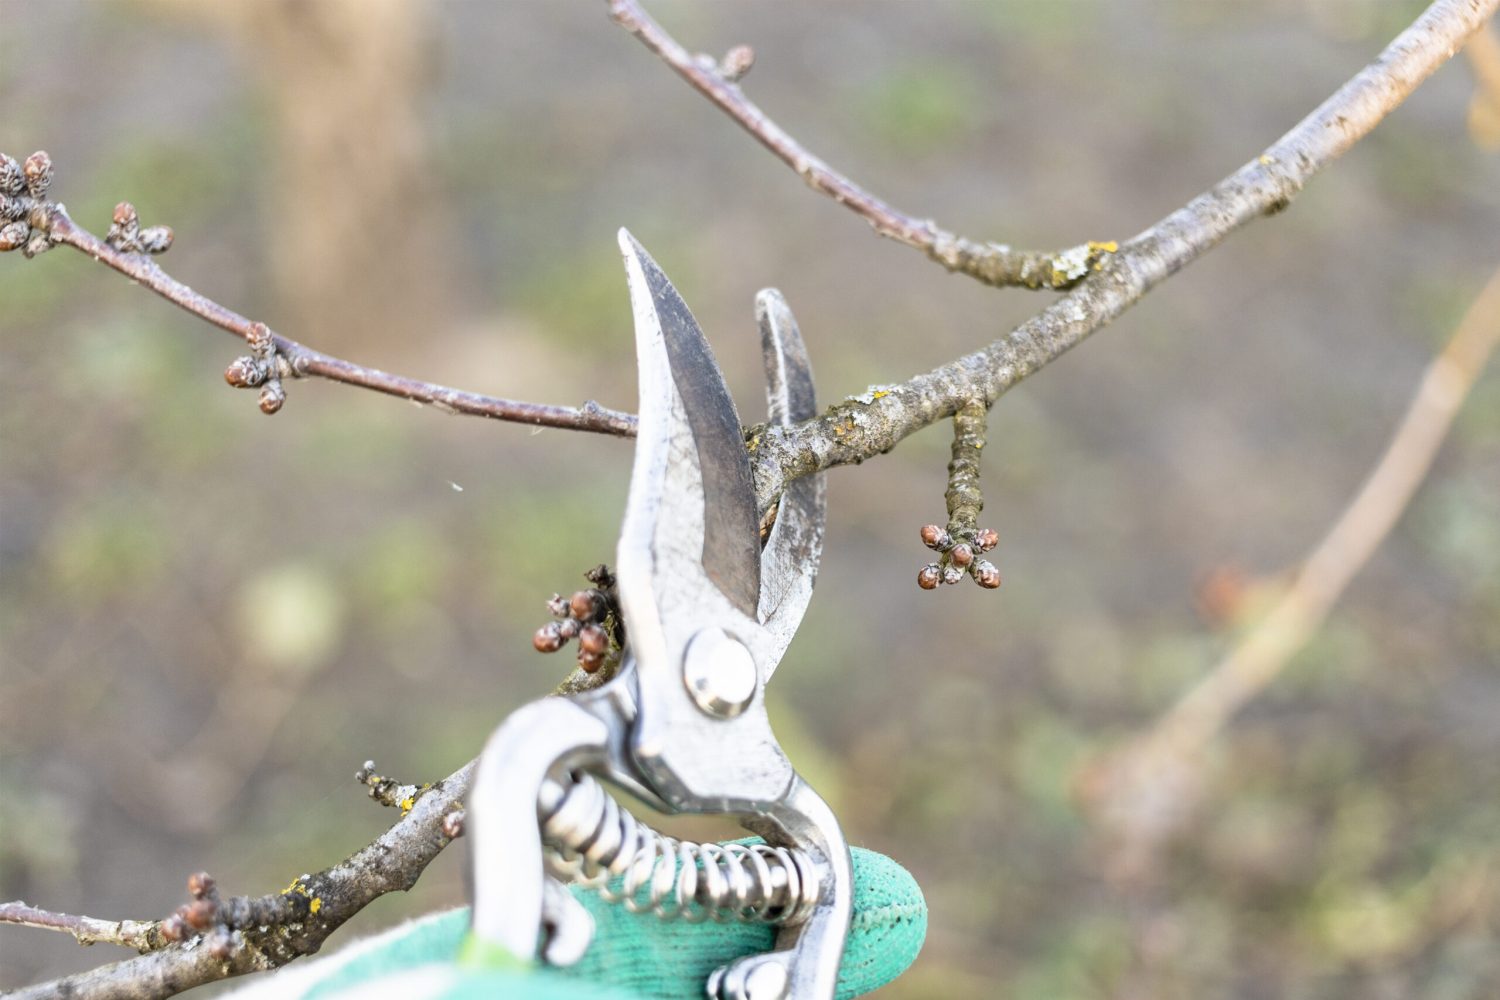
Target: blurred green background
(211, 618)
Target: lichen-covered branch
(31, 223)
(963, 541)
(991, 263)
(874, 422)
(218, 938)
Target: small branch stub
(962, 544)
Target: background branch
(1157, 777)
(864, 426)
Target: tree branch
(863, 426)
(302, 360)
(258, 933)
(990, 263)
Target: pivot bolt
(719, 673)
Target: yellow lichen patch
(1107, 246)
(1266, 159)
(879, 394)
(407, 803)
(316, 904)
(296, 887)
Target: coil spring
(593, 840)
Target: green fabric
(633, 955)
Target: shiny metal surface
(708, 613)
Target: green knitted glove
(633, 956)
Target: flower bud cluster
(591, 616)
(25, 215)
(959, 556)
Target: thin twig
(872, 423)
(304, 360)
(991, 263)
(142, 935)
(1146, 790)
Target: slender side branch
(259, 933)
(300, 360)
(142, 935)
(961, 544)
(990, 263)
(863, 426)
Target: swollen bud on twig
(13, 235)
(125, 232)
(930, 576)
(453, 824)
(38, 170)
(272, 396)
(986, 575)
(245, 373)
(736, 63)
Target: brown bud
(13, 206)
(933, 536)
(13, 234)
(245, 372)
(986, 539)
(986, 575)
(600, 576)
(961, 554)
(590, 662)
(12, 178)
(156, 239)
(557, 606)
(272, 396)
(453, 824)
(593, 639)
(737, 62)
(569, 627)
(548, 638)
(200, 884)
(125, 214)
(929, 577)
(584, 605)
(952, 574)
(38, 171)
(260, 339)
(174, 928)
(200, 913)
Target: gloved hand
(633, 956)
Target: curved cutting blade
(692, 476)
(789, 561)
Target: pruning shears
(709, 609)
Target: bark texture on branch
(866, 425)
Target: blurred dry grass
(210, 618)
